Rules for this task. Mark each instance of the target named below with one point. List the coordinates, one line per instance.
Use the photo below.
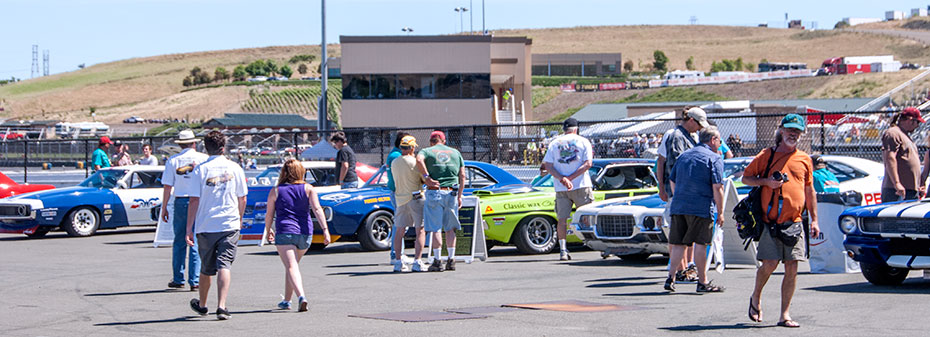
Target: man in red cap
(100, 159)
(901, 158)
(443, 170)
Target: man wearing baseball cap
(901, 159)
(786, 176)
(568, 159)
(444, 171)
(100, 159)
(408, 193)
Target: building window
(416, 86)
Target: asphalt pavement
(114, 283)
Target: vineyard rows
(292, 100)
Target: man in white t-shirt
(217, 207)
(568, 160)
(178, 184)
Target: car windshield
(547, 180)
(734, 170)
(103, 179)
(379, 179)
(315, 176)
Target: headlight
(586, 221)
(328, 212)
(848, 224)
(652, 223)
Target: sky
(98, 31)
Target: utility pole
(45, 62)
(471, 20)
(324, 77)
(484, 30)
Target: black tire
(39, 232)
(535, 234)
(81, 221)
(491, 243)
(374, 234)
(638, 257)
(883, 275)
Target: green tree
(286, 71)
(738, 64)
(239, 73)
(841, 24)
(271, 67)
(202, 78)
(195, 71)
(628, 65)
(690, 63)
(301, 58)
(750, 67)
(187, 81)
(302, 68)
(220, 74)
(661, 61)
(256, 68)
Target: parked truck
(853, 64)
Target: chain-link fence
(838, 133)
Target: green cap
(793, 121)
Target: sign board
(470, 237)
(253, 228)
(164, 231)
(732, 244)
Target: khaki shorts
(409, 214)
(564, 200)
(770, 248)
(688, 229)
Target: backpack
(748, 212)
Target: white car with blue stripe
(110, 198)
(888, 239)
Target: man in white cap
(177, 179)
(675, 142)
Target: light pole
(324, 77)
(483, 30)
(461, 11)
(408, 30)
(471, 20)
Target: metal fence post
(823, 139)
(86, 159)
(25, 161)
(474, 143)
(296, 148)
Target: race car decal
(219, 180)
(151, 202)
(488, 209)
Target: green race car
(525, 216)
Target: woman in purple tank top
(289, 206)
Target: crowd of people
(101, 159)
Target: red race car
(9, 187)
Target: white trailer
(868, 59)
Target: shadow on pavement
(129, 242)
(635, 278)
(63, 235)
(367, 273)
(915, 286)
(154, 321)
(655, 293)
(620, 284)
(139, 292)
(354, 265)
(738, 326)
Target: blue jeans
(350, 184)
(180, 249)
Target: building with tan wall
(410, 81)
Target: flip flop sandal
(755, 314)
(789, 324)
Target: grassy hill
(151, 86)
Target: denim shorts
(299, 240)
(441, 211)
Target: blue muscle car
(110, 198)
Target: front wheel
(536, 234)
(883, 275)
(82, 221)
(375, 233)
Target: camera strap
(773, 200)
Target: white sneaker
(418, 266)
(400, 266)
(406, 259)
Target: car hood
(69, 192)
(898, 209)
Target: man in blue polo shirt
(697, 182)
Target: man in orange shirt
(786, 192)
